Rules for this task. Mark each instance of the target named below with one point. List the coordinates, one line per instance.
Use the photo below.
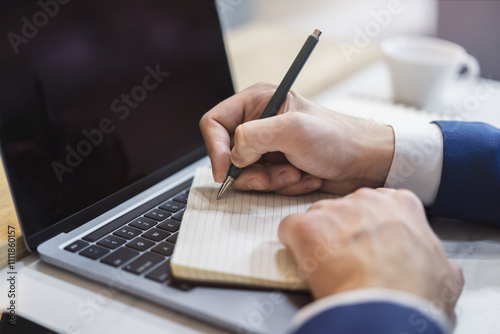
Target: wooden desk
(8, 218)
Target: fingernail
(255, 185)
(312, 183)
(285, 178)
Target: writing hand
(304, 148)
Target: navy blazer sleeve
(470, 180)
(370, 317)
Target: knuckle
(296, 227)
(324, 204)
(365, 193)
(408, 197)
(262, 86)
(406, 194)
(332, 211)
(203, 121)
(296, 121)
(240, 136)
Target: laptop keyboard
(142, 245)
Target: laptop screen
(98, 96)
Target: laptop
(99, 110)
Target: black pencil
(278, 98)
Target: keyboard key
(156, 234)
(106, 229)
(161, 273)
(164, 248)
(172, 238)
(143, 263)
(76, 246)
(172, 206)
(140, 244)
(182, 198)
(119, 257)
(178, 215)
(143, 223)
(111, 242)
(170, 225)
(157, 214)
(127, 232)
(94, 252)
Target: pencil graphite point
(225, 186)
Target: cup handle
(472, 66)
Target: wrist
(362, 157)
(377, 147)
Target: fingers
(281, 178)
(218, 124)
(271, 178)
(307, 183)
(255, 138)
(284, 133)
(298, 234)
(218, 143)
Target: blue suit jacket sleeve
(370, 318)
(470, 180)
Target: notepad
(234, 240)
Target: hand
(304, 148)
(372, 238)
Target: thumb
(255, 138)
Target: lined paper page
(235, 239)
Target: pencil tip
(225, 186)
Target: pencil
(278, 98)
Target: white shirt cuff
(373, 295)
(418, 160)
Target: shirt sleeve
(417, 161)
(370, 295)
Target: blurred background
(263, 36)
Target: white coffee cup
(423, 69)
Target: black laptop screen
(95, 96)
